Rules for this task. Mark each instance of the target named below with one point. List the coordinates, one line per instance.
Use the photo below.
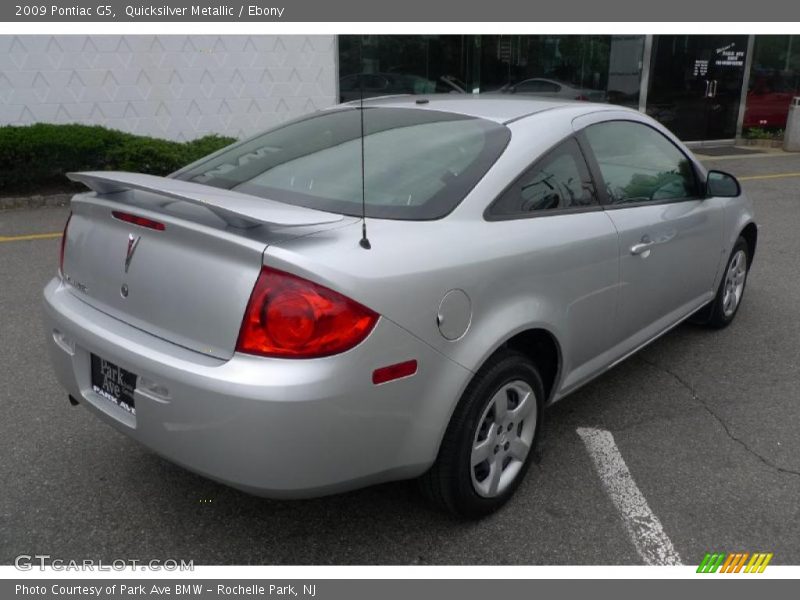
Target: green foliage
(758, 133)
(148, 155)
(35, 158)
(207, 144)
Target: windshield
(418, 164)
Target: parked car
(371, 85)
(449, 84)
(241, 319)
(768, 109)
(550, 88)
(768, 98)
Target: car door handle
(641, 247)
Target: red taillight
(137, 220)
(63, 244)
(291, 317)
(582, 98)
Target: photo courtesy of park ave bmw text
(505, 297)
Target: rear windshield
(419, 164)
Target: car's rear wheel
(489, 442)
(721, 311)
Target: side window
(639, 164)
(559, 180)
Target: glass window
(349, 83)
(407, 64)
(597, 68)
(774, 81)
(537, 86)
(375, 83)
(560, 180)
(419, 164)
(696, 84)
(639, 164)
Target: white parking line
(642, 525)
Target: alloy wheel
(734, 283)
(503, 438)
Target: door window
(560, 180)
(639, 164)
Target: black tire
(713, 314)
(449, 482)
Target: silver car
(550, 88)
(242, 319)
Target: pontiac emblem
(133, 242)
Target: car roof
(501, 108)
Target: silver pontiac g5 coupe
(236, 318)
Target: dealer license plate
(114, 383)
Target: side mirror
(722, 185)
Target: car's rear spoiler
(236, 209)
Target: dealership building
(708, 89)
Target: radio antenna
(364, 242)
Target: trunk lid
(190, 282)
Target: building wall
(173, 86)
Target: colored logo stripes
(734, 562)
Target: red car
(768, 108)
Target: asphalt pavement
(706, 421)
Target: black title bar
(409, 10)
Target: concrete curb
(37, 201)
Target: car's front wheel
(489, 442)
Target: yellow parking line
(32, 236)
(773, 176)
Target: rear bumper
(278, 428)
